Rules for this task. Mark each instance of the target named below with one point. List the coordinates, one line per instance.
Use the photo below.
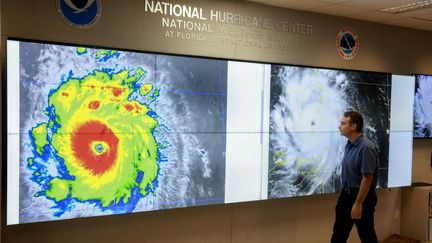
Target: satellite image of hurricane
(110, 132)
(423, 107)
(306, 105)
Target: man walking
(357, 200)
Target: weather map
(111, 132)
(306, 148)
(90, 123)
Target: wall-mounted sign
(79, 13)
(347, 43)
(221, 26)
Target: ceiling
(367, 10)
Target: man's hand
(365, 185)
(356, 211)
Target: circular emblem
(347, 43)
(79, 13)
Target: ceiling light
(408, 7)
(422, 19)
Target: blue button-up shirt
(361, 157)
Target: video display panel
(108, 132)
(306, 148)
(95, 131)
(423, 106)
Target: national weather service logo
(347, 43)
(79, 13)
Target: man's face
(346, 128)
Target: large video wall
(96, 131)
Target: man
(357, 200)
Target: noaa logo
(347, 43)
(79, 13)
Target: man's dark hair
(355, 118)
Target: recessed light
(408, 7)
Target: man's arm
(365, 186)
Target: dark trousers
(344, 222)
